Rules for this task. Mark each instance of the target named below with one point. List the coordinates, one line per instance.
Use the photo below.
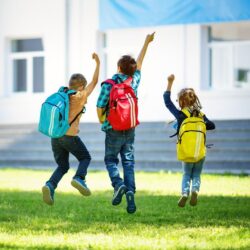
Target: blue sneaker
(118, 193)
(48, 194)
(81, 186)
(131, 207)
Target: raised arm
(90, 87)
(149, 39)
(167, 98)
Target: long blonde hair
(188, 99)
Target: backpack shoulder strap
(66, 90)
(109, 81)
(81, 112)
(186, 112)
(128, 81)
(71, 92)
(202, 114)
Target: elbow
(210, 126)
(100, 115)
(167, 103)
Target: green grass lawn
(220, 221)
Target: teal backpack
(54, 115)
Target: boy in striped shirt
(121, 141)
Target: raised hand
(170, 82)
(150, 37)
(171, 78)
(96, 58)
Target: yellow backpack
(191, 144)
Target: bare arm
(90, 87)
(101, 114)
(170, 82)
(149, 39)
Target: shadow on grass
(73, 213)
(10, 247)
(17, 247)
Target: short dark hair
(127, 65)
(77, 80)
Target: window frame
(28, 56)
(230, 45)
(207, 45)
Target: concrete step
(157, 156)
(169, 151)
(209, 167)
(145, 125)
(14, 145)
(24, 146)
(99, 138)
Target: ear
(119, 69)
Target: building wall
(70, 33)
(180, 50)
(29, 19)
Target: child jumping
(121, 141)
(71, 142)
(189, 101)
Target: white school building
(43, 42)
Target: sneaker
(131, 208)
(48, 194)
(81, 186)
(118, 193)
(193, 200)
(182, 201)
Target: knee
(85, 157)
(109, 160)
(64, 168)
(128, 166)
(88, 157)
(187, 174)
(128, 162)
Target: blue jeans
(120, 142)
(192, 172)
(61, 148)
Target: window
(229, 46)
(27, 59)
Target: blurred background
(206, 44)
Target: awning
(115, 14)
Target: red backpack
(123, 105)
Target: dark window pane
(242, 64)
(38, 74)
(20, 75)
(26, 45)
